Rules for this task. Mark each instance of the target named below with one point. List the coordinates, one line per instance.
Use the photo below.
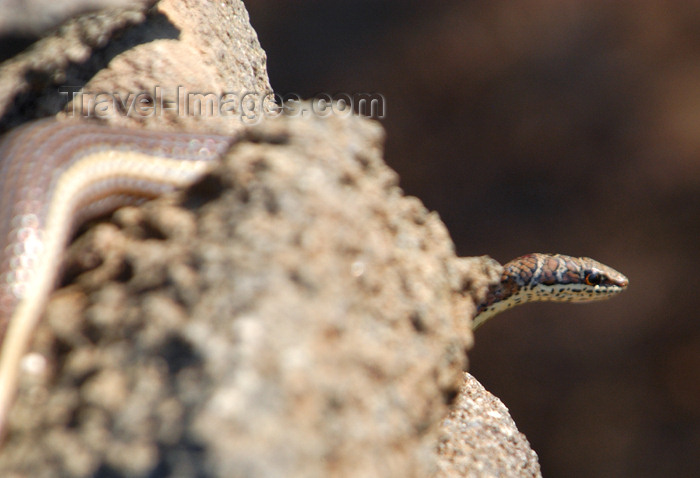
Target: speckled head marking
(550, 277)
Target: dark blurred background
(566, 126)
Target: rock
(164, 60)
(33, 17)
(479, 438)
(291, 314)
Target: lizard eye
(594, 278)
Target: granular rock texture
(291, 314)
(479, 438)
(31, 18)
(183, 64)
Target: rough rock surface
(479, 438)
(178, 47)
(33, 17)
(292, 314)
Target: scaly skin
(55, 175)
(550, 277)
